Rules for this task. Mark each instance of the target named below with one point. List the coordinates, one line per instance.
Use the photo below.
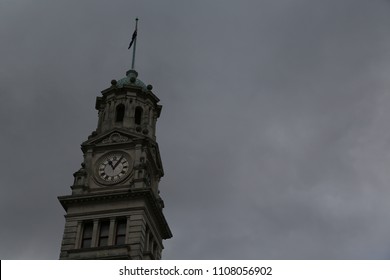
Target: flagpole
(135, 43)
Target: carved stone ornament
(115, 138)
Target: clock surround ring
(113, 168)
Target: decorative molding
(115, 138)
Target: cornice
(73, 200)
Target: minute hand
(116, 163)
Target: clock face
(113, 167)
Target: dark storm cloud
(274, 131)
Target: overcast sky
(274, 134)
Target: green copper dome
(131, 80)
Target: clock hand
(116, 164)
(110, 163)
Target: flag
(133, 38)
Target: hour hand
(110, 164)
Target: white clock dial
(113, 167)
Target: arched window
(120, 113)
(138, 115)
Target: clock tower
(115, 210)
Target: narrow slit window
(120, 234)
(103, 233)
(138, 115)
(86, 240)
(120, 113)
